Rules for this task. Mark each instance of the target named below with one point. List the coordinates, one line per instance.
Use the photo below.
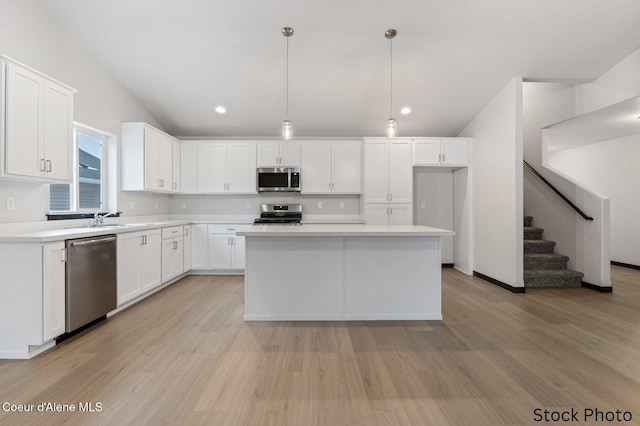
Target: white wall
(618, 84)
(497, 186)
(29, 35)
(611, 168)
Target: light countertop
(344, 230)
(50, 235)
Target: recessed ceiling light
(220, 109)
(405, 110)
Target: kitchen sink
(114, 225)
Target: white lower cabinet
(226, 250)
(32, 297)
(388, 214)
(139, 263)
(216, 247)
(186, 260)
(199, 247)
(172, 252)
(53, 290)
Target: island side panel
(392, 278)
(293, 278)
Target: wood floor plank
(185, 356)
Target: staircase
(543, 267)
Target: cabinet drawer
(223, 229)
(172, 231)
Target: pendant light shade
(391, 122)
(391, 127)
(287, 127)
(287, 130)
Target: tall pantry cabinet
(388, 181)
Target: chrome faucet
(99, 220)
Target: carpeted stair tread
(545, 261)
(553, 273)
(552, 278)
(546, 256)
(542, 266)
(539, 246)
(532, 233)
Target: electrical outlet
(248, 205)
(342, 204)
(11, 203)
(132, 205)
(423, 205)
(319, 204)
(156, 204)
(183, 205)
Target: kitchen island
(342, 272)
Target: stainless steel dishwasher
(91, 287)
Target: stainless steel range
(279, 214)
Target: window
(87, 192)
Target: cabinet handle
(175, 185)
(391, 210)
(48, 162)
(63, 255)
(42, 165)
(186, 232)
(175, 245)
(390, 197)
(233, 241)
(161, 183)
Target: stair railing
(554, 189)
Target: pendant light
(287, 127)
(391, 122)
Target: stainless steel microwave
(278, 179)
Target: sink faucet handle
(97, 220)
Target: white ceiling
(180, 59)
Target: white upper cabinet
(241, 168)
(442, 151)
(146, 158)
(188, 168)
(226, 168)
(278, 154)
(37, 115)
(177, 166)
(212, 168)
(388, 171)
(332, 167)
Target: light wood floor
(185, 356)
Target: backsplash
(250, 204)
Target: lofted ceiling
(181, 59)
